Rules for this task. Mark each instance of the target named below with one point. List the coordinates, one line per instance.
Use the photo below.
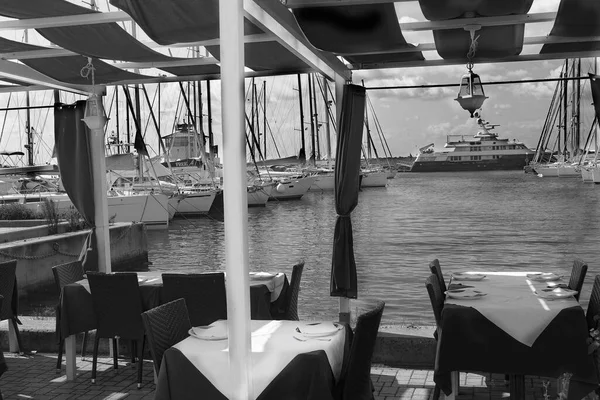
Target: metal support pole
(100, 199)
(235, 197)
(328, 124)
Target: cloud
(502, 106)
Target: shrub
(16, 211)
(51, 215)
(74, 220)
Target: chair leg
(95, 357)
(115, 353)
(61, 346)
(133, 349)
(19, 342)
(141, 362)
(84, 345)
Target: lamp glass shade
(470, 95)
(94, 116)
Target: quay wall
(36, 255)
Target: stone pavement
(35, 377)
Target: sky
(409, 118)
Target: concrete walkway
(35, 377)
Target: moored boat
(373, 178)
(481, 152)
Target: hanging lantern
(470, 95)
(94, 116)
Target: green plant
(16, 211)
(51, 215)
(74, 220)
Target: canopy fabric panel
(68, 69)
(95, 40)
(575, 18)
(439, 10)
(356, 29)
(595, 85)
(182, 21)
(193, 70)
(493, 42)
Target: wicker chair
(8, 278)
(436, 296)
(3, 367)
(118, 307)
(166, 325)
(356, 376)
(65, 274)
(578, 276)
(435, 269)
(291, 308)
(204, 295)
(594, 304)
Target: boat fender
(281, 188)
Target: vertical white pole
(235, 197)
(344, 315)
(100, 200)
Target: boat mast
(316, 117)
(565, 108)
(327, 126)
(313, 154)
(265, 118)
(211, 142)
(28, 129)
(252, 101)
(578, 109)
(303, 148)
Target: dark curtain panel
(347, 183)
(73, 152)
(595, 83)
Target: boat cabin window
(455, 158)
(475, 158)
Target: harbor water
(496, 220)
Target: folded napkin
(542, 277)
(454, 286)
(215, 331)
(319, 329)
(261, 275)
(462, 276)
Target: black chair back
(436, 296)
(578, 273)
(436, 269)
(65, 274)
(594, 304)
(204, 295)
(117, 304)
(291, 310)
(166, 325)
(8, 271)
(357, 378)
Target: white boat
(482, 152)
(190, 202)
(596, 174)
(323, 182)
(291, 188)
(373, 178)
(587, 173)
(259, 193)
(391, 174)
(151, 209)
(569, 170)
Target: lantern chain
(472, 49)
(88, 69)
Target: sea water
(495, 220)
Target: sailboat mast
(211, 142)
(578, 108)
(253, 101)
(313, 153)
(301, 114)
(368, 130)
(316, 118)
(265, 118)
(565, 107)
(28, 121)
(327, 126)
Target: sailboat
(559, 152)
(373, 175)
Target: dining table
(267, 302)
(513, 323)
(289, 360)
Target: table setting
(286, 357)
(517, 323)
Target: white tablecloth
(274, 283)
(512, 305)
(273, 347)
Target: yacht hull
(192, 203)
(258, 196)
(323, 183)
(374, 179)
(292, 189)
(513, 162)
